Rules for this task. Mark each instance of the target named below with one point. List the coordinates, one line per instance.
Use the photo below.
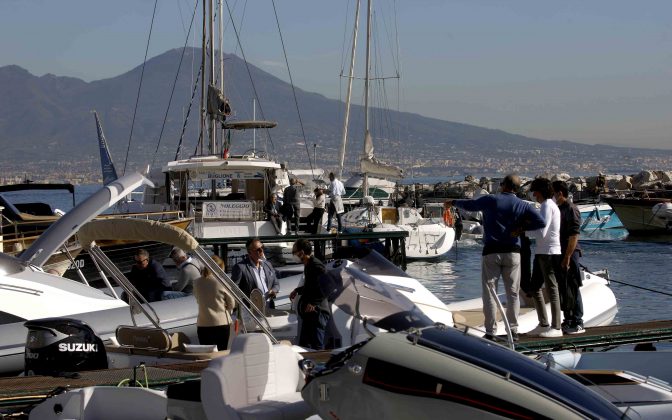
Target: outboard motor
(58, 345)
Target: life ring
(448, 218)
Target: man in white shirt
(336, 191)
(546, 254)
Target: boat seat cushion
(256, 380)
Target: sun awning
(135, 230)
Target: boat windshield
(10, 265)
(369, 261)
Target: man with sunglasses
(148, 276)
(255, 272)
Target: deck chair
(257, 380)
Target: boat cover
(136, 230)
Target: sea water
(457, 275)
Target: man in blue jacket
(505, 216)
(255, 272)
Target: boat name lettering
(230, 175)
(227, 210)
(77, 264)
(85, 347)
(31, 355)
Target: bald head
(511, 183)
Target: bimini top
(69, 224)
(200, 166)
(135, 230)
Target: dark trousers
(314, 219)
(570, 296)
(332, 210)
(313, 329)
(218, 335)
(294, 219)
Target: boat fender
(448, 218)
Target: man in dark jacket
(313, 307)
(148, 276)
(569, 273)
(292, 205)
(255, 272)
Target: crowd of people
(289, 210)
(555, 228)
(506, 220)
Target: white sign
(238, 210)
(201, 176)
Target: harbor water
(457, 275)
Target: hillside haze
(49, 118)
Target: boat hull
(638, 218)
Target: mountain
(48, 119)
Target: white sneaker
(538, 330)
(551, 333)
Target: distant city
(450, 163)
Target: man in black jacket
(292, 205)
(313, 307)
(148, 276)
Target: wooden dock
(596, 337)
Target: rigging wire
(172, 91)
(629, 284)
(137, 99)
(291, 81)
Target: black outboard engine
(58, 345)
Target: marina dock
(25, 391)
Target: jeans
(506, 265)
(570, 296)
(313, 329)
(171, 294)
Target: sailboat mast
(348, 98)
(367, 78)
(203, 82)
(211, 65)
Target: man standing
(504, 217)
(336, 192)
(189, 271)
(546, 256)
(148, 276)
(569, 274)
(292, 205)
(255, 272)
(313, 307)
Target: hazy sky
(596, 71)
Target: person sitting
(189, 270)
(148, 277)
(315, 218)
(215, 304)
(273, 213)
(255, 272)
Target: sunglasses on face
(141, 261)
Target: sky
(595, 72)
